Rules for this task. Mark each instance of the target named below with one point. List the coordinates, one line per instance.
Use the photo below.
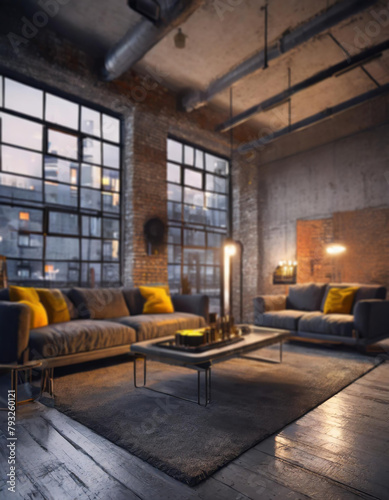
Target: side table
(14, 369)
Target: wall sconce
(285, 273)
(230, 249)
(335, 249)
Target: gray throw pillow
(306, 297)
(99, 303)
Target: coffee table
(202, 362)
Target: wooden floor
(340, 450)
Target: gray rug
(251, 401)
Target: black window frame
(182, 225)
(46, 207)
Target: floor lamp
(231, 249)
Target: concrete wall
(337, 166)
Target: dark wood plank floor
(340, 450)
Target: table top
(257, 338)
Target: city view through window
(59, 189)
(197, 192)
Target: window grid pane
(197, 214)
(61, 162)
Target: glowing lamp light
(335, 249)
(230, 250)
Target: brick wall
(314, 264)
(364, 233)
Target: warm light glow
(335, 249)
(24, 216)
(73, 176)
(230, 250)
(49, 268)
(106, 181)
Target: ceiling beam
(335, 70)
(331, 17)
(355, 101)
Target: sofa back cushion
(71, 307)
(364, 292)
(99, 303)
(4, 294)
(134, 300)
(55, 304)
(307, 297)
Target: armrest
(14, 332)
(266, 303)
(372, 318)
(194, 304)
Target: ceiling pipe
(249, 146)
(139, 40)
(335, 70)
(331, 17)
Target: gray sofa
(301, 312)
(104, 322)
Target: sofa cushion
(307, 297)
(4, 294)
(38, 314)
(340, 300)
(76, 336)
(327, 324)
(365, 292)
(71, 307)
(55, 304)
(134, 300)
(99, 303)
(285, 320)
(158, 300)
(151, 326)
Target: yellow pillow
(55, 305)
(17, 293)
(340, 300)
(157, 300)
(38, 313)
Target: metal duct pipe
(331, 17)
(140, 39)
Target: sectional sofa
(301, 312)
(104, 322)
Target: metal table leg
(207, 383)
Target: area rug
(250, 401)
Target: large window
(59, 188)
(197, 192)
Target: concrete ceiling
(220, 37)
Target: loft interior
(194, 186)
